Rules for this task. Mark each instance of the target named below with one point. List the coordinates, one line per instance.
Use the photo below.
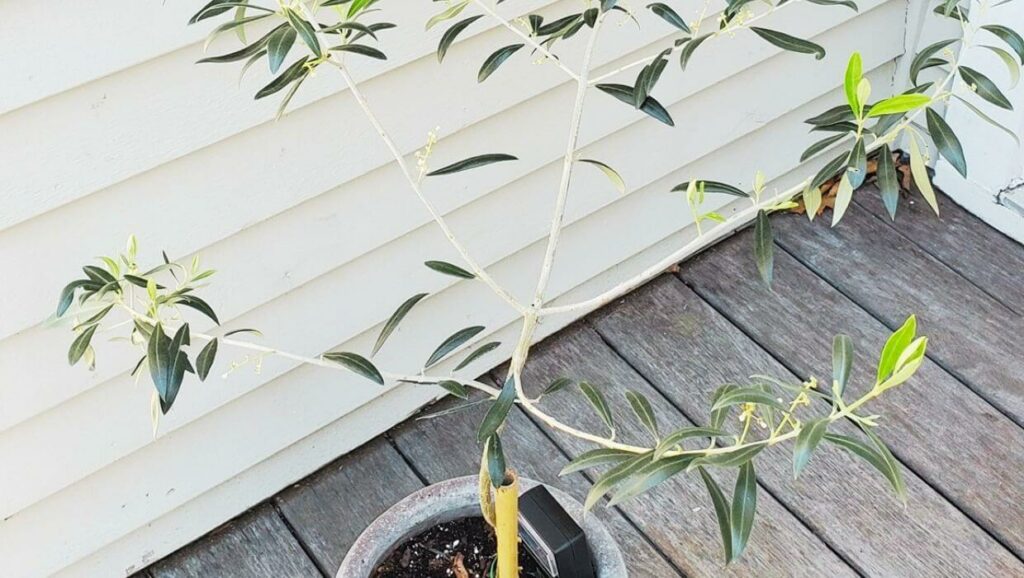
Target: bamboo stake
(507, 526)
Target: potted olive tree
(299, 37)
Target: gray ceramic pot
(457, 498)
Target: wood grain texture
(686, 349)
(329, 509)
(444, 448)
(949, 436)
(961, 241)
(677, 516)
(256, 545)
(891, 277)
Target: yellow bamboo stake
(507, 526)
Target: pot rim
(457, 498)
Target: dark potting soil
(463, 548)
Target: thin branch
(725, 228)
(673, 49)
(526, 38)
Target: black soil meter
(552, 537)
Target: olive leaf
(495, 461)
(888, 181)
(806, 442)
(455, 388)
(449, 269)
(842, 362)
(722, 511)
(600, 404)
(594, 458)
(357, 364)
(644, 412)
(744, 506)
(669, 15)
(472, 163)
(452, 33)
(790, 43)
(609, 172)
(764, 246)
(496, 59)
(498, 411)
(946, 141)
(453, 342)
(392, 323)
(477, 354)
(205, 359)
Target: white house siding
(108, 128)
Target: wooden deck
(958, 427)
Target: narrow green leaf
(496, 461)
(888, 181)
(67, 295)
(596, 399)
(449, 269)
(946, 141)
(924, 56)
(713, 187)
(305, 31)
(812, 201)
(919, 170)
(764, 246)
(894, 472)
(984, 87)
(291, 74)
(199, 305)
(395, 319)
(496, 59)
(989, 119)
(81, 344)
(644, 412)
(558, 385)
(357, 364)
(455, 388)
(718, 415)
(871, 456)
(722, 511)
(830, 170)
(843, 197)
(790, 43)
(612, 478)
(677, 437)
(686, 53)
(498, 411)
(842, 361)
(453, 342)
(894, 346)
(205, 359)
(452, 33)
(277, 48)
(360, 49)
(1014, 40)
(594, 458)
(451, 12)
(857, 165)
(744, 506)
(899, 104)
(477, 354)
(669, 15)
(821, 145)
(647, 477)
(472, 163)
(650, 106)
(854, 72)
(742, 395)
(806, 442)
(1012, 67)
(732, 458)
(609, 172)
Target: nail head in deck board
(960, 444)
(960, 240)
(255, 545)
(329, 509)
(843, 499)
(676, 515)
(972, 335)
(429, 445)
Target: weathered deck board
(534, 456)
(331, 508)
(991, 260)
(948, 435)
(677, 515)
(889, 276)
(686, 349)
(256, 544)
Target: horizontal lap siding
(287, 219)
